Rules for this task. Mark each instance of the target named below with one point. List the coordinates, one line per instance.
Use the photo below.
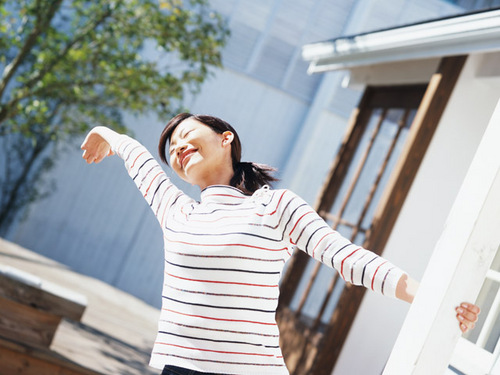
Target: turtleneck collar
(222, 194)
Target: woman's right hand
(95, 147)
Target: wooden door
(370, 177)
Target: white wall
(424, 214)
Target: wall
(96, 221)
(424, 213)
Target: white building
(454, 197)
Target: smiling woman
(186, 130)
(199, 155)
(224, 255)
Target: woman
(224, 255)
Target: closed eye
(183, 136)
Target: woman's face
(199, 155)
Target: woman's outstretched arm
(355, 264)
(145, 171)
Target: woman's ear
(227, 137)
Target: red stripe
(276, 209)
(149, 187)
(219, 319)
(343, 260)
(300, 218)
(225, 244)
(138, 156)
(373, 278)
(214, 351)
(222, 282)
(328, 234)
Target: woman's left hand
(467, 316)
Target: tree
(74, 64)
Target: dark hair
(247, 177)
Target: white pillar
(457, 268)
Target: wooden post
(457, 268)
(31, 309)
(29, 290)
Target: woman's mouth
(185, 156)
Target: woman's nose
(180, 148)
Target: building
(295, 122)
(445, 163)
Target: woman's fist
(95, 147)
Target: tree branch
(47, 67)
(43, 19)
(6, 109)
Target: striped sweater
(223, 260)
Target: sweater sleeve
(146, 172)
(356, 265)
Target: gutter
(478, 32)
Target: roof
(465, 34)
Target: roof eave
(454, 36)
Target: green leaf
(84, 63)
